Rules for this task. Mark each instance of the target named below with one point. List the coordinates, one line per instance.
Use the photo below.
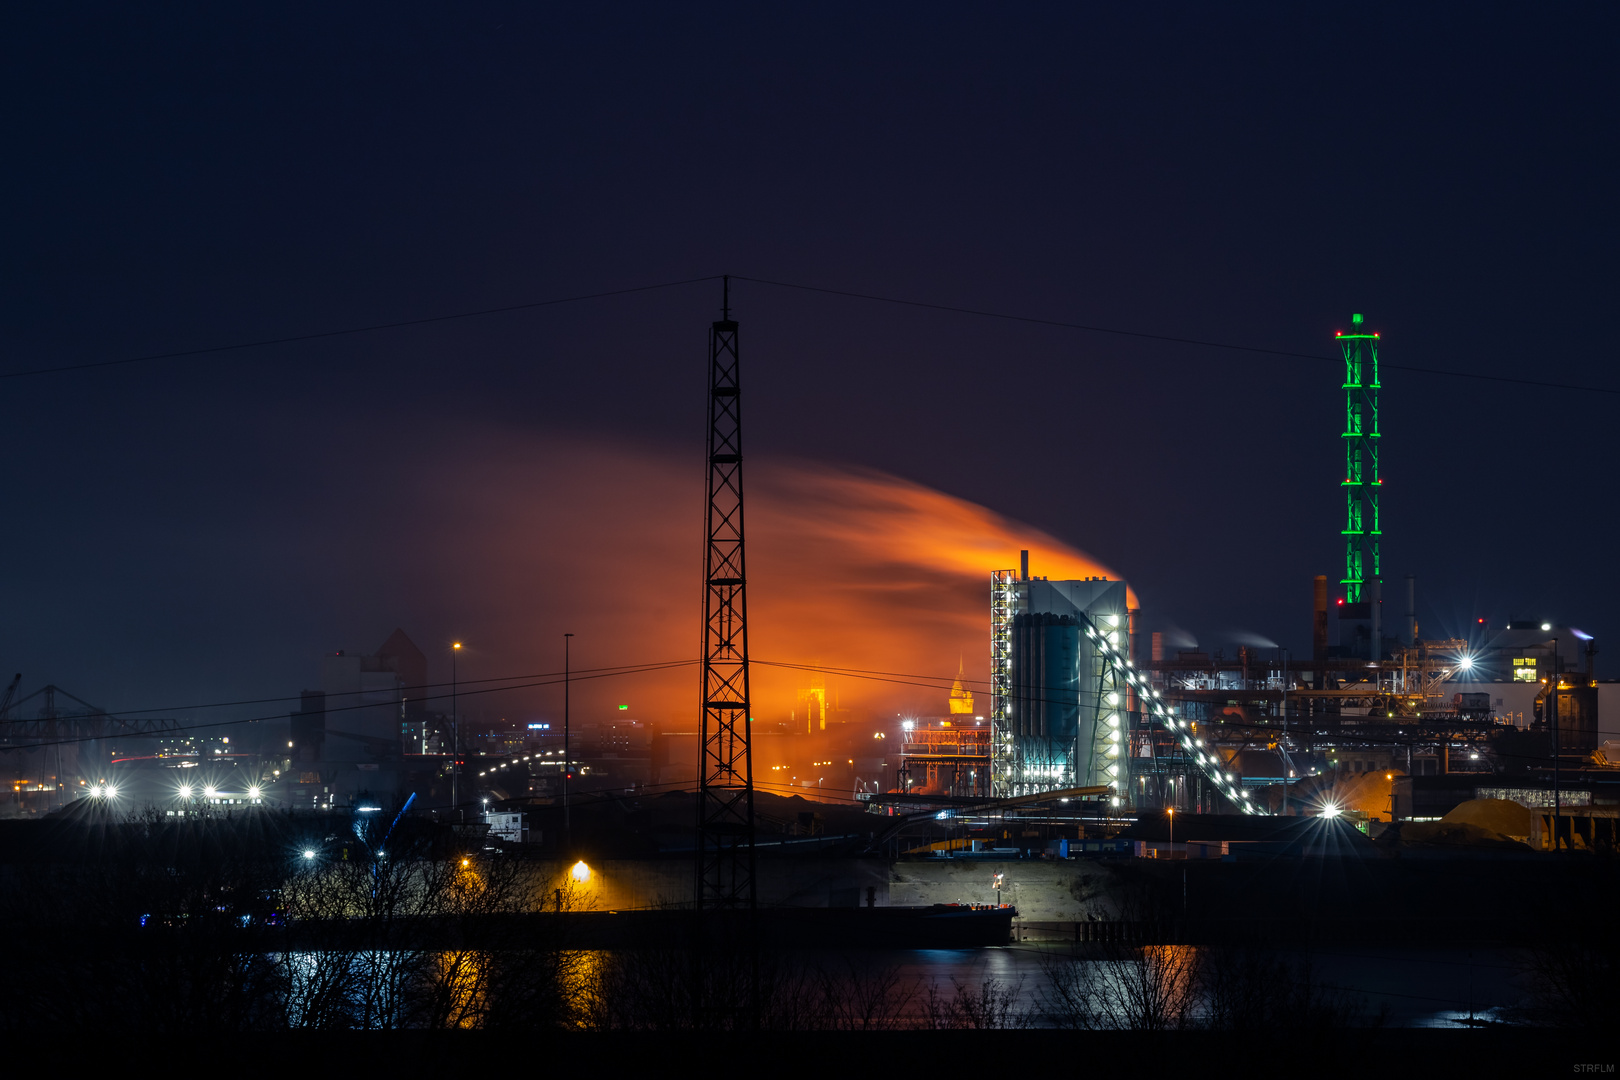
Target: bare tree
(991, 1004)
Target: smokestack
(1158, 647)
(1411, 632)
(1376, 648)
(1023, 566)
(1319, 633)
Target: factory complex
(1086, 729)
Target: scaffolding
(953, 758)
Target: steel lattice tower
(725, 841)
(1363, 572)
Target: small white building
(508, 827)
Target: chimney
(1158, 647)
(1023, 566)
(1410, 634)
(1319, 633)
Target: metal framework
(1155, 710)
(1363, 574)
(965, 751)
(80, 734)
(725, 806)
(1108, 756)
(1003, 761)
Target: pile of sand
(1454, 834)
(1498, 823)
(1503, 816)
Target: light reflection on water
(1405, 988)
(1440, 987)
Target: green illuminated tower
(1363, 572)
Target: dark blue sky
(189, 176)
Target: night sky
(201, 529)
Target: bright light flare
(1332, 810)
(309, 853)
(580, 873)
(112, 792)
(185, 791)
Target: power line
(115, 714)
(292, 339)
(1204, 343)
(550, 681)
(846, 293)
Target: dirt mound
(1455, 834)
(1502, 816)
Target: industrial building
(1266, 731)
(946, 755)
(1058, 699)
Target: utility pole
(455, 733)
(725, 805)
(724, 864)
(568, 760)
(1552, 718)
(1282, 707)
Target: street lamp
(568, 763)
(455, 729)
(1171, 813)
(1552, 720)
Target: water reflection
(1143, 988)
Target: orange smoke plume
(847, 569)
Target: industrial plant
(1058, 806)
(1378, 723)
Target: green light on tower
(1363, 572)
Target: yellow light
(456, 645)
(581, 873)
(464, 862)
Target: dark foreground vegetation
(270, 924)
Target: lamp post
(568, 765)
(455, 732)
(1171, 814)
(1552, 720)
(1282, 707)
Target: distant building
(946, 755)
(961, 699)
(508, 827)
(350, 735)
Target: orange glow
(847, 569)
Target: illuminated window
(1524, 669)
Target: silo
(1046, 675)
(1061, 709)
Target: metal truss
(725, 841)
(1006, 774)
(52, 725)
(1107, 758)
(1362, 484)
